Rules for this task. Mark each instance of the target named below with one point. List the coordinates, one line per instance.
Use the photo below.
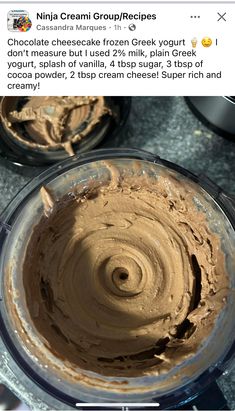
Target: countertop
(164, 126)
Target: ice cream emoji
(194, 42)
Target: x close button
(221, 16)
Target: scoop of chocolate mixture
(53, 121)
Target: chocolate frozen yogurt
(124, 278)
(54, 122)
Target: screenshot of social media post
(117, 205)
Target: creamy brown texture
(55, 121)
(125, 279)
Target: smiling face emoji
(206, 42)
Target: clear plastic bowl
(183, 381)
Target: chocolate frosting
(54, 121)
(124, 279)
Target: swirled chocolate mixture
(58, 121)
(125, 279)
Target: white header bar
(126, 49)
